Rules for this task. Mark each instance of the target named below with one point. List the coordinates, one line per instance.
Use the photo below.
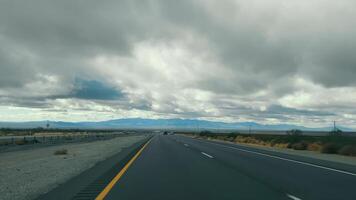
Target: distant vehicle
(165, 133)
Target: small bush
(300, 146)
(213, 136)
(289, 145)
(330, 148)
(21, 142)
(205, 133)
(348, 150)
(61, 152)
(314, 147)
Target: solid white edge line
(293, 197)
(286, 159)
(207, 155)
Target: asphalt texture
(91, 182)
(178, 167)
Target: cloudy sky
(270, 61)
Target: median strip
(112, 183)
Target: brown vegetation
(332, 144)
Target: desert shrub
(61, 152)
(213, 136)
(314, 146)
(232, 135)
(348, 150)
(330, 148)
(300, 146)
(280, 145)
(205, 133)
(21, 142)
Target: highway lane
(171, 169)
(304, 178)
(178, 167)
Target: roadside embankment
(29, 173)
(334, 144)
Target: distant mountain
(160, 123)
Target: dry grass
(281, 145)
(314, 146)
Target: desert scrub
(280, 145)
(348, 150)
(21, 142)
(299, 146)
(331, 144)
(61, 152)
(330, 148)
(315, 146)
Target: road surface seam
(107, 189)
(286, 159)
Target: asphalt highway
(179, 167)
(170, 167)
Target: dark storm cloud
(91, 89)
(84, 28)
(16, 64)
(247, 45)
(24, 102)
(281, 110)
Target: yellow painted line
(107, 189)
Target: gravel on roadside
(29, 173)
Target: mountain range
(140, 123)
